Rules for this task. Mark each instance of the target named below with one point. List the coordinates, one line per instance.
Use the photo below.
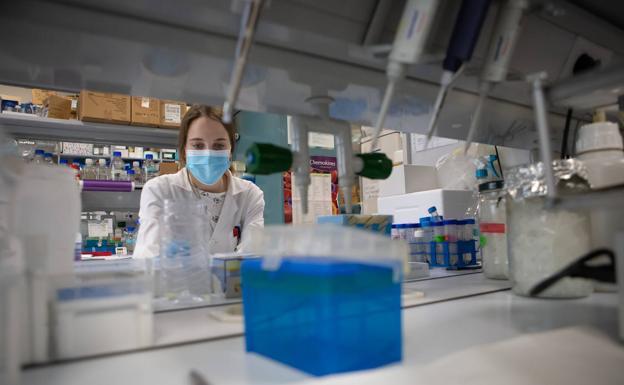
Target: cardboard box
(409, 178)
(59, 107)
(168, 168)
(39, 96)
(171, 113)
(104, 107)
(145, 111)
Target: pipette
(501, 48)
(463, 40)
(408, 46)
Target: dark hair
(198, 111)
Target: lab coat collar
(181, 180)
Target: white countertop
(430, 331)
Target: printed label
(145, 102)
(492, 228)
(74, 104)
(172, 113)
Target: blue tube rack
(463, 248)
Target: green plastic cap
(267, 158)
(376, 166)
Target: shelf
(79, 131)
(63, 155)
(111, 201)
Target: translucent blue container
(323, 315)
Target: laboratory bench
(456, 312)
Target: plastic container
(117, 168)
(47, 158)
(183, 260)
(435, 217)
(89, 172)
(102, 171)
(138, 172)
(38, 159)
(542, 242)
(150, 168)
(129, 236)
(419, 252)
(313, 305)
(493, 227)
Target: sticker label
(492, 228)
(172, 113)
(74, 104)
(145, 102)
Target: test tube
(427, 229)
(438, 238)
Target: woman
(205, 148)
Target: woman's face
(207, 134)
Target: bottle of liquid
(64, 163)
(150, 167)
(102, 171)
(136, 166)
(132, 177)
(89, 171)
(129, 235)
(117, 168)
(38, 159)
(47, 158)
(435, 217)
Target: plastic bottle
(493, 224)
(117, 168)
(38, 159)
(89, 171)
(47, 158)
(150, 167)
(136, 166)
(132, 177)
(129, 235)
(102, 171)
(433, 211)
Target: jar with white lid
(541, 240)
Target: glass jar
(493, 227)
(543, 241)
(183, 260)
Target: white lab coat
(243, 207)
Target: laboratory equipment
(89, 171)
(47, 158)
(249, 22)
(493, 226)
(138, 172)
(405, 208)
(544, 241)
(463, 40)
(150, 168)
(433, 212)
(381, 224)
(183, 260)
(500, 50)
(264, 158)
(102, 171)
(409, 44)
(226, 274)
(38, 159)
(118, 306)
(133, 177)
(117, 167)
(331, 297)
(129, 238)
(599, 146)
(107, 185)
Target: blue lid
(131, 172)
(493, 158)
(63, 161)
(117, 153)
(39, 152)
(432, 209)
(450, 222)
(130, 228)
(48, 154)
(481, 173)
(469, 221)
(76, 160)
(149, 156)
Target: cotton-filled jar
(493, 227)
(543, 241)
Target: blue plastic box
(323, 315)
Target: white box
(409, 208)
(407, 179)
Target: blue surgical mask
(207, 166)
